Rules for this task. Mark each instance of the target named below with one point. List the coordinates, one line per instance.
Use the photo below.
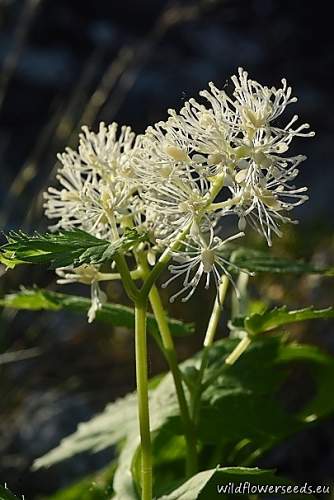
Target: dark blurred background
(68, 63)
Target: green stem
(208, 341)
(240, 303)
(225, 204)
(216, 186)
(170, 353)
(162, 263)
(238, 351)
(216, 313)
(135, 274)
(122, 266)
(143, 405)
(141, 371)
(127, 280)
(166, 256)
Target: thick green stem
(143, 405)
(208, 341)
(170, 353)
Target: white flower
(208, 131)
(89, 275)
(264, 203)
(200, 257)
(98, 298)
(258, 105)
(97, 183)
(176, 205)
(105, 153)
(224, 154)
(86, 273)
(87, 203)
(164, 155)
(235, 138)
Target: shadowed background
(69, 63)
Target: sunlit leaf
(124, 484)
(253, 386)
(118, 421)
(102, 431)
(64, 248)
(271, 319)
(219, 483)
(9, 262)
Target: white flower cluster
(219, 156)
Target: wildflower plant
(176, 201)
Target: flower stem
(225, 204)
(135, 274)
(216, 313)
(170, 353)
(162, 262)
(208, 341)
(238, 351)
(128, 283)
(143, 405)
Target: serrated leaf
(64, 248)
(251, 387)
(219, 483)
(114, 314)
(258, 261)
(269, 320)
(118, 421)
(10, 263)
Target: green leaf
(259, 385)
(258, 261)
(117, 422)
(114, 314)
(124, 484)
(269, 320)
(191, 488)
(6, 494)
(219, 482)
(64, 248)
(97, 486)
(9, 262)
(164, 414)
(103, 431)
(84, 490)
(255, 387)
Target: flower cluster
(221, 155)
(97, 182)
